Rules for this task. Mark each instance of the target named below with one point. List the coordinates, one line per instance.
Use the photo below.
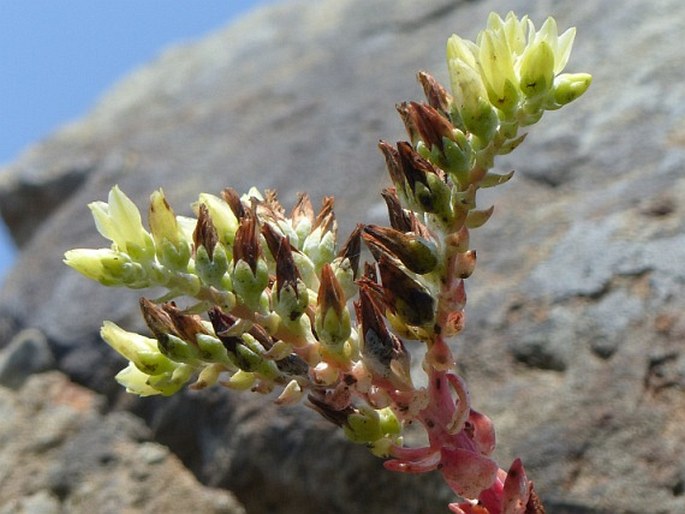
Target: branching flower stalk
(289, 311)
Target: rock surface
(574, 340)
(60, 455)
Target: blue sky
(58, 57)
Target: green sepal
(211, 349)
(482, 121)
(459, 158)
(248, 286)
(291, 302)
(177, 349)
(153, 363)
(212, 271)
(170, 383)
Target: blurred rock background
(575, 335)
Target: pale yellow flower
(119, 221)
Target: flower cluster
(289, 310)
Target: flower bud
(569, 86)
(172, 249)
(177, 349)
(109, 267)
(319, 246)
(211, 349)
(141, 351)
(249, 357)
(462, 49)
(497, 63)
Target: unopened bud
(109, 267)
(569, 86)
(211, 349)
(249, 357)
(378, 429)
(319, 246)
(141, 351)
(177, 349)
(172, 249)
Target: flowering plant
(287, 310)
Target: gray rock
(60, 455)
(580, 272)
(28, 352)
